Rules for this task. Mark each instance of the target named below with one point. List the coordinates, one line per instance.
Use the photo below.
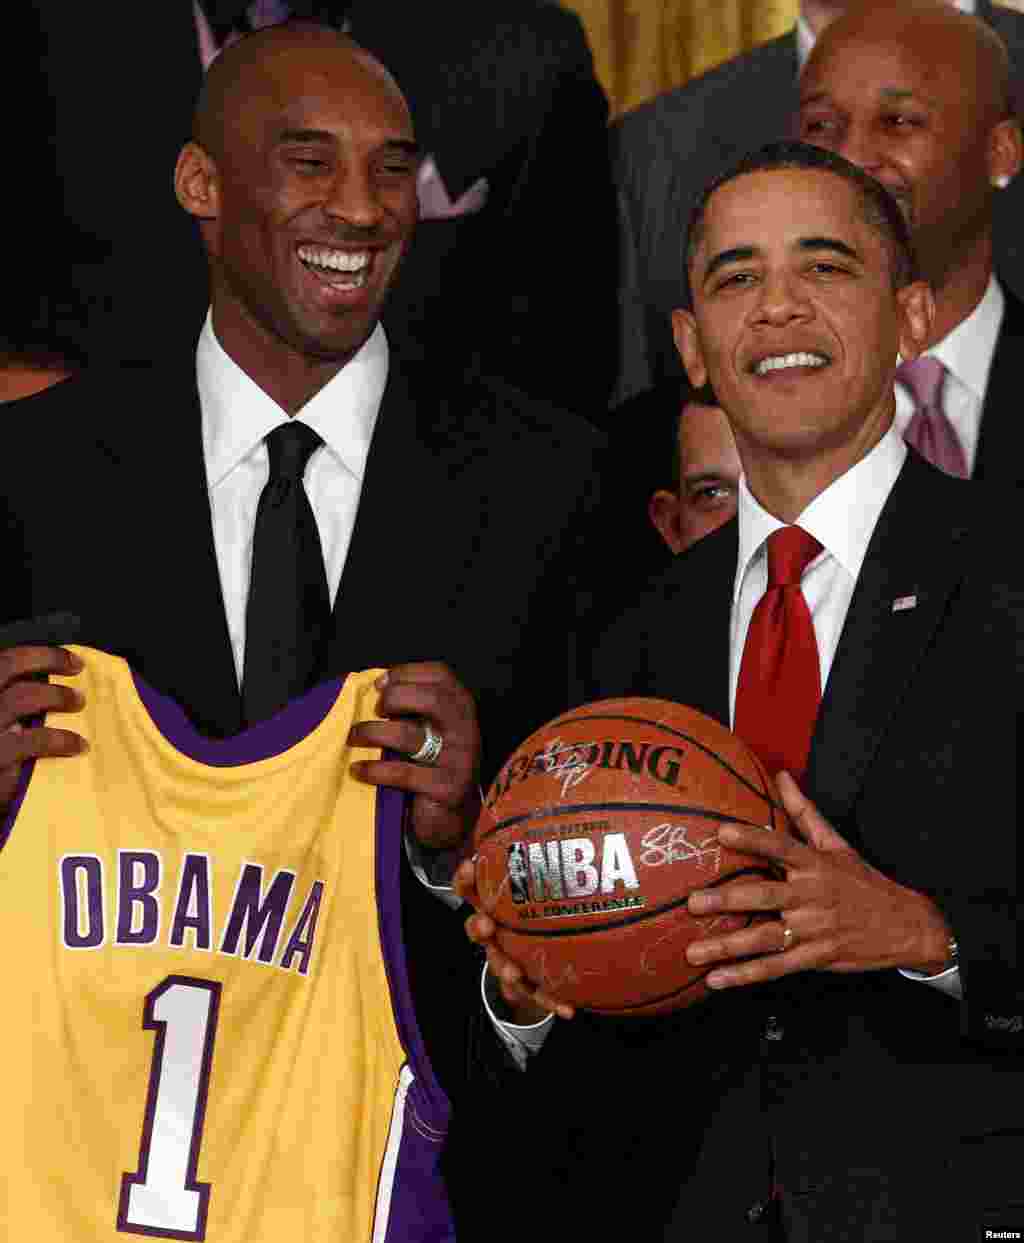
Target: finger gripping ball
(594, 834)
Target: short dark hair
(644, 432)
(878, 207)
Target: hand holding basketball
(529, 1003)
(591, 839)
(843, 913)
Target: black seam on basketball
(772, 805)
(625, 921)
(678, 733)
(707, 813)
(655, 1001)
(652, 1001)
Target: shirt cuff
(434, 870)
(947, 981)
(522, 1040)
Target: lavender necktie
(930, 431)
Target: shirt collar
(805, 37)
(841, 518)
(804, 42)
(967, 351)
(237, 414)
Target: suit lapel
(175, 632)
(913, 564)
(406, 510)
(1001, 441)
(686, 646)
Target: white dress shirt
(842, 519)
(236, 416)
(967, 354)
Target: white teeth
(338, 260)
(780, 361)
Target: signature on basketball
(567, 761)
(551, 978)
(653, 958)
(669, 843)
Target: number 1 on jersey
(162, 1196)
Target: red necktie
(779, 687)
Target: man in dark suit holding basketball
(860, 625)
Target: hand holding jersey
(22, 697)
(446, 794)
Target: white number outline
(140, 1174)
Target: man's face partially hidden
(907, 108)
(709, 473)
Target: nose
(781, 299)
(353, 197)
(858, 145)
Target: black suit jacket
(913, 759)
(666, 151)
(467, 548)
(506, 90)
(1000, 453)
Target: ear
(916, 307)
(663, 511)
(688, 347)
(196, 183)
(1005, 153)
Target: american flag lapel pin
(902, 603)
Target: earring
(1001, 182)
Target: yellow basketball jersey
(207, 1028)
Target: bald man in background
(665, 151)
(919, 96)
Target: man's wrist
(939, 952)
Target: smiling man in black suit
(409, 489)
(861, 625)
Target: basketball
(593, 835)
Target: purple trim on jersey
(260, 742)
(419, 1200)
(20, 790)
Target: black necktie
(289, 610)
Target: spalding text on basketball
(569, 763)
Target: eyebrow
(903, 92)
(405, 145)
(739, 254)
(886, 92)
(829, 243)
(705, 476)
(724, 257)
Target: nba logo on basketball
(517, 873)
